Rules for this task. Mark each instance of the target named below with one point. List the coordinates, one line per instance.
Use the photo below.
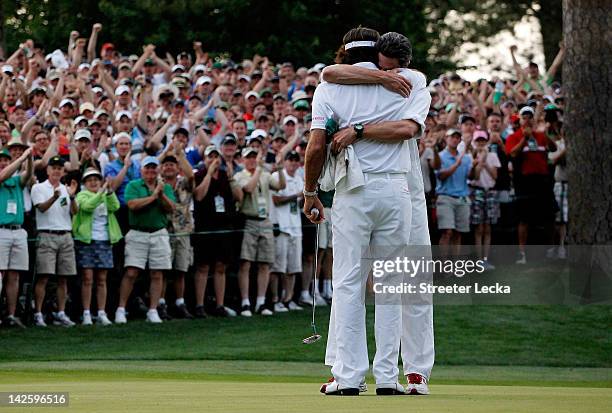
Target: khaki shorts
(288, 254)
(55, 254)
(182, 253)
(258, 241)
(14, 250)
(148, 247)
(453, 213)
(325, 230)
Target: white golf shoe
(120, 316)
(61, 319)
(103, 319)
(39, 320)
(394, 389)
(417, 384)
(280, 308)
(87, 321)
(153, 317)
(363, 387)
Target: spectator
(485, 206)
(561, 196)
(55, 250)
(288, 243)
(216, 195)
(13, 238)
(528, 150)
(95, 229)
(453, 204)
(258, 240)
(147, 243)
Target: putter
(315, 336)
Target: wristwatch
(358, 130)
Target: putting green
(238, 386)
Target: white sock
(152, 310)
(327, 287)
(162, 301)
(86, 312)
(61, 314)
(101, 313)
(246, 302)
(121, 309)
(179, 301)
(38, 314)
(260, 301)
(305, 294)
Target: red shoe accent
(415, 378)
(324, 386)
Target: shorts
(258, 241)
(213, 244)
(288, 254)
(153, 248)
(485, 206)
(325, 230)
(535, 199)
(560, 190)
(182, 253)
(97, 254)
(453, 213)
(309, 235)
(55, 254)
(14, 250)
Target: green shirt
(152, 217)
(11, 201)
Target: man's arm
(313, 165)
(445, 173)
(355, 75)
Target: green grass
(465, 335)
(196, 386)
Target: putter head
(312, 339)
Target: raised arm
(355, 75)
(552, 70)
(93, 39)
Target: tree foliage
(304, 32)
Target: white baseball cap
(527, 109)
(123, 113)
(82, 134)
(202, 80)
(122, 89)
(67, 101)
(177, 67)
(251, 93)
(259, 133)
(290, 118)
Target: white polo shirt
(57, 217)
(367, 104)
(288, 215)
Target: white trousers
(417, 337)
(417, 320)
(377, 214)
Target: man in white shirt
(55, 250)
(374, 213)
(288, 243)
(395, 51)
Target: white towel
(341, 171)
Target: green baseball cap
(5, 153)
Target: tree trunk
(587, 85)
(550, 17)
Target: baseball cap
(37, 89)
(149, 62)
(237, 92)
(56, 161)
(280, 96)
(86, 106)
(252, 93)
(465, 118)
(15, 141)
(199, 68)
(282, 137)
(246, 78)
(79, 119)
(265, 91)
(97, 89)
(301, 104)
(229, 138)
(298, 95)
(259, 133)
(82, 134)
(53, 74)
(452, 132)
(108, 46)
(290, 118)
(293, 156)
(178, 67)
(121, 90)
(248, 151)
(7, 69)
(527, 109)
(5, 153)
(123, 113)
(91, 172)
(121, 135)
(100, 113)
(124, 65)
(210, 149)
(178, 102)
(202, 80)
(150, 160)
(480, 134)
(67, 101)
(93, 122)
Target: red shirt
(534, 156)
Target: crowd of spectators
(115, 166)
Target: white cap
(97, 89)
(122, 89)
(251, 93)
(122, 113)
(244, 77)
(247, 151)
(84, 66)
(290, 118)
(550, 98)
(259, 133)
(82, 134)
(7, 69)
(121, 135)
(527, 109)
(67, 101)
(86, 106)
(199, 68)
(452, 132)
(178, 67)
(78, 119)
(202, 80)
(210, 149)
(100, 113)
